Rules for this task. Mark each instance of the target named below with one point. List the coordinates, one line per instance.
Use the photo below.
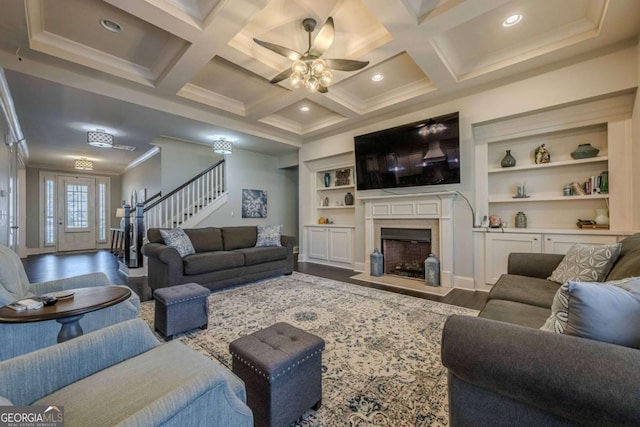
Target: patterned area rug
(381, 365)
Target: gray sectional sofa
(504, 371)
(223, 257)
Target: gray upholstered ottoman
(180, 308)
(281, 367)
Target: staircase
(201, 194)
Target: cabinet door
(340, 245)
(560, 243)
(498, 246)
(318, 243)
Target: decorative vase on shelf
(327, 179)
(521, 220)
(542, 155)
(508, 161)
(584, 151)
(602, 216)
(348, 199)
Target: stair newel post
(127, 234)
(140, 229)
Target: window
(102, 212)
(77, 206)
(50, 212)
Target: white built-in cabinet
(551, 216)
(498, 246)
(332, 243)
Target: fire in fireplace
(405, 250)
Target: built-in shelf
(339, 187)
(533, 198)
(550, 165)
(336, 207)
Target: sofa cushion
(515, 312)
(254, 256)
(205, 239)
(178, 239)
(524, 289)
(586, 263)
(207, 262)
(628, 263)
(239, 237)
(269, 235)
(608, 312)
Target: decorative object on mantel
(348, 199)
(343, 177)
(325, 201)
(542, 155)
(521, 220)
(585, 151)
(377, 263)
(322, 220)
(566, 190)
(602, 217)
(432, 271)
(327, 179)
(591, 225)
(508, 160)
(495, 221)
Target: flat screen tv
(421, 153)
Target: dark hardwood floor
(40, 268)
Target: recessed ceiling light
(110, 25)
(304, 108)
(377, 77)
(512, 20)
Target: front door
(76, 213)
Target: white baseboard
(132, 272)
(360, 267)
(462, 282)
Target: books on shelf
(592, 226)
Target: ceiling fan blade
(323, 89)
(280, 50)
(345, 64)
(282, 76)
(323, 39)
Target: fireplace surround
(424, 211)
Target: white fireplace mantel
(415, 207)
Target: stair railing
(173, 209)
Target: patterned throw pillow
(608, 312)
(178, 239)
(268, 235)
(586, 263)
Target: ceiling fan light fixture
(299, 67)
(100, 138)
(318, 66)
(297, 80)
(312, 84)
(326, 78)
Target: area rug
(382, 363)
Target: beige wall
(636, 149)
(603, 75)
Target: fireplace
(404, 251)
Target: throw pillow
(608, 312)
(586, 263)
(268, 235)
(178, 239)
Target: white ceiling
(189, 69)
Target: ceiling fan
(308, 68)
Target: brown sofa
(223, 257)
(502, 371)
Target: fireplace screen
(405, 250)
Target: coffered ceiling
(189, 69)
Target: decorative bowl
(584, 151)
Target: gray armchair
(21, 338)
(122, 375)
